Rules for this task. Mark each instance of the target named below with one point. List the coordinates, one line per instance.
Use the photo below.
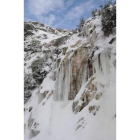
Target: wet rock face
(85, 98)
(33, 133)
(90, 33)
(91, 108)
(94, 109)
(79, 63)
(41, 96)
(72, 72)
(30, 122)
(79, 68)
(82, 65)
(74, 105)
(90, 68)
(30, 109)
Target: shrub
(34, 43)
(29, 85)
(95, 13)
(27, 33)
(47, 54)
(81, 24)
(28, 28)
(57, 51)
(34, 46)
(38, 70)
(37, 65)
(29, 82)
(60, 41)
(108, 18)
(59, 29)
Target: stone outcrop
(75, 68)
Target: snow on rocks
(76, 99)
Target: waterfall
(55, 97)
(60, 89)
(67, 82)
(101, 70)
(84, 79)
(62, 84)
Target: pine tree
(81, 24)
(108, 19)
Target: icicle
(97, 68)
(69, 78)
(67, 82)
(107, 69)
(56, 86)
(84, 75)
(66, 86)
(105, 76)
(60, 85)
(62, 82)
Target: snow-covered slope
(40, 46)
(76, 98)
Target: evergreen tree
(108, 19)
(81, 24)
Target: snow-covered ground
(58, 122)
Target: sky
(64, 14)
